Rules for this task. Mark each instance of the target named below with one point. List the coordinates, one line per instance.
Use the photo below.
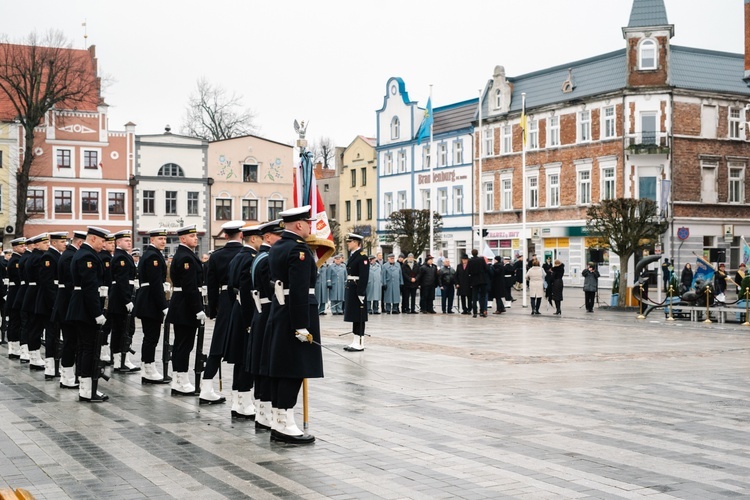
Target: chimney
(747, 42)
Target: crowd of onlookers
(467, 288)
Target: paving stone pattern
(438, 406)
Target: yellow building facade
(358, 192)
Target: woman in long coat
(556, 294)
(686, 280)
(535, 277)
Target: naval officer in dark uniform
(151, 303)
(12, 314)
(85, 309)
(34, 324)
(60, 313)
(186, 307)
(294, 328)
(45, 301)
(18, 302)
(122, 269)
(357, 275)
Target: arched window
(395, 126)
(498, 99)
(647, 55)
(171, 170)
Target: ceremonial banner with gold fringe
(306, 193)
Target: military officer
(374, 286)
(243, 309)
(86, 312)
(60, 312)
(219, 306)
(294, 328)
(186, 307)
(18, 302)
(321, 288)
(357, 276)
(106, 256)
(45, 301)
(122, 269)
(393, 281)
(336, 284)
(151, 303)
(12, 314)
(258, 359)
(34, 324)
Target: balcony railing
(648, 143)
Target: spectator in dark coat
(558, 271)
(410, 270)
(498, 284)
(447, 280)
(510, 279)
(518, 273)
(686, 279)
(428, 280)
(477, 269)
(462, 284)
(590, 285)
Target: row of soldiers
(259, 288)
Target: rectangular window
(388, 164)
(250, 173)
(402, 200)
(90, 202)
(507, 131)
(388, 204)
(170, 202)
(364, 176)
(553, 199)
(608, 127)
(458, 199)
(533, 195)
(148, 202)
(275, 207)
(116, 203)
(426, 157)
(332, 210)
(353, 173)
(507, 185)
(584, 126)
(533, 137)
(648, 128)
(735, 123)
(348, 210)
(63, 158)
(442, 155)
(369, 209)
(224, 209)
(91, 159)
(488, 192)
(425, 199)
(489, 142)
(35, 201)
(442, 201)
(647, 187)
(554, 131)
(458, 153)
(63, 202)
(608, 183)
(249, 209)
(402, 161)
(584, 187)
(192, 202)
(736, 184)
(1, 159)
(359, 209)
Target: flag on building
(426, 127)
(703, 271)
(522, 124)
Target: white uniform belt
(223, 287)
(11, 284)
(144, 285)
(264, 300)
(177, 289)
(32, 284)
(76, 288)
(352, 278)
(61, 285)
(130, 282)
(23, 282)
(311, 291)
(56, 282)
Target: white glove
(103, 290)
(303, 335)
(167, 287)
(165, 311)
(361, 298)
(100, 320)
(129, 306)
(201, 316)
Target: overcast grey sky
(327, 61)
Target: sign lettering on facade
(445, 176)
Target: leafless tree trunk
(324, 151)
(36, 75)
(212, 114)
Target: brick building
(652, 120)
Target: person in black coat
(357, 276)
(477, 270)
(122, 270)
(45, 301)
(462, 284)
(510, 279)
(4, 291)
(498, 284)
(294, 324)
(428, 279)
(410, 270)
(686, 278)
(558, 271)
(18, 302)
(85, 310)
(34, 324)
(186, 307)
(105, 255)
(13, 314)
(60, 312)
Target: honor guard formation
(80, 296)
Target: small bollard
(747, 307)
(708, 303)
(671, 290)
(640, 303)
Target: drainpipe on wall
(209, 183)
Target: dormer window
(395, 125)
(498, 99)
(647, 55)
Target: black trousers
(262, 388)
(14, 325)
(120, 336)
(151, 334)
(213, 361)
(590, 298)
(70, 345)
(446, 298)
(479, 293)
(52, 339)
(24, 328)
(465, 302)
(242, 381)
(358, 328)
(409, 301)
(184, 339)
(284, 392)
(427, 298)
(35, 328)
(535, 303)
(87, 335)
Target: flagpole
(479, 176)
(432, 179)
(524, 250)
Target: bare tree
(324, 151)
(36, 75)
(410, 229)
(213, 114)
(625, 225)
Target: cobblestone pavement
(437, 406)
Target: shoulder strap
(255, 264)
